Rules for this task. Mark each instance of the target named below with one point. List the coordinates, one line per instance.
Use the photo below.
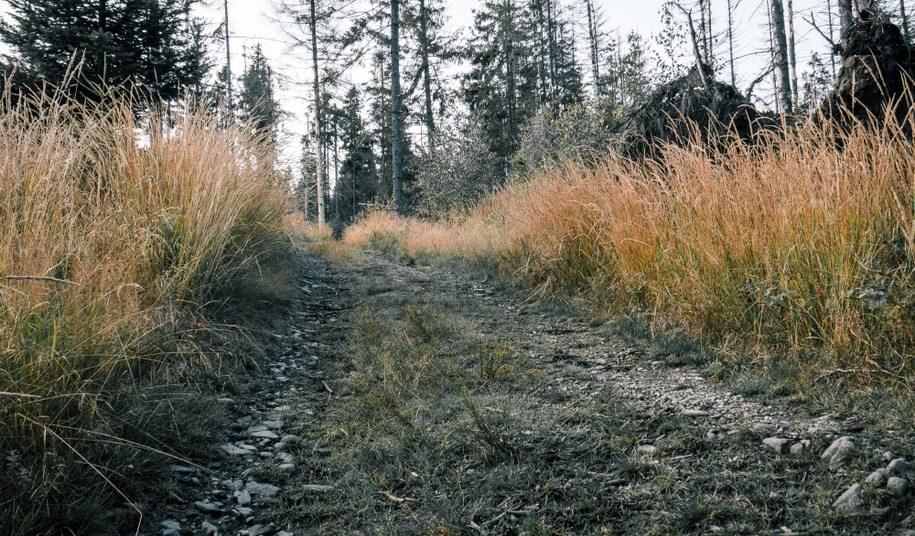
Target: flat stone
(284, 533)
(244, 511)
(234, 450)
(778, 444)
(898, 486)
(838, 451)
(898, 466)
(256, 428)
(207, 507)
(258, 530)
(286, 467)
(318, 487)
(291, 439)
(850, 500)
(274, 425)
(262, 490)
(877, 478)
(183, 469)
(265, 434)
(694, 413)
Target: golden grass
(102, 239)
(794, 244)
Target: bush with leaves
(579, 132)
(457, 170)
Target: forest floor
(391, 398)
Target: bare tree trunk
(792, 60)
(228, 58)
(316, 86)
(845, 14)
(594, 48)
(780, 56)
(427, 83)
(396, 121)
(730, 7)
(905, 20)
(510, 73)
(772, 55)
(551, 44)
(832, 57)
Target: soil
(391, 398)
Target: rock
(850, 500)
(183, 469)
(208, 528)
(262, 490)
(839, 451)
(170, 524)
(207, 507)
(284, 533)
(797, 449)
(646, 450)
(265, 434)
(694, 413)
(234, 450)
(258, 530)
(256, 428)
(898, 466)
(897, 486)
(243, 511)
(286, 467)
(777, 444)
(877, 478)
(318, 487)
(274, 425)
(291, 439)
(243, 497)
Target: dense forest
(440, 121)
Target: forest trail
(400, 399)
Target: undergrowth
(113, 231)
(801, 245)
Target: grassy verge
(112, 230)
(802, 246)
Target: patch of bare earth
(397, 399)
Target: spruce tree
(155, 44)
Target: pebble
(234, 450)
(274, 425)
(898, 466)
(207, 506)
(877, 478)
(694, 413)
(263, 490)
(243, 497)
(897, 486)
(318, 487)
(244, 511)
(798, 448)
(777, 444)
(208, 528)
(850, 500)
(838, 451)
(646, 450)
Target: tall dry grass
(108, 228)
(803, 243)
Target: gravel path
(269, 462)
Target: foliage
(258, 104)
(110, 231)
(156, 44)
(457, 171)
(581, 133)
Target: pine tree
(257, 102)
(153, 43)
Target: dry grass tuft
(802, 243)
(109, 226)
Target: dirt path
(396, 399)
